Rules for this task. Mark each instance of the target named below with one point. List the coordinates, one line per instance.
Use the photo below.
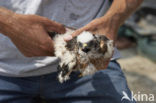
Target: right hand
(30, 34)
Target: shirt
(72, 13)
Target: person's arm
(109, 24)
(29, 32)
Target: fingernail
(67, 38)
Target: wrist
(110, 26)
(6, 19)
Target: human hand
(29, 33)
(101, 26)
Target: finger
(69, 37)
(55, 28)
(46, 43)
(79, 31)
(48, 47)
(76, 33)
(52, 26)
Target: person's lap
(105, 86)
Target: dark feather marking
(99, 63)
(104, 38)
(64, 69)
(104, 49)
(71, 44)
(59, 68)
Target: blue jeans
(105, 86)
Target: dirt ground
(139, 71)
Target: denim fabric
(105, 86)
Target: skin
(29, 33)
(109, 24)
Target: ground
(139, 71)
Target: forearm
(119, 11)
(5, 20)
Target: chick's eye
(91, 43)
(80, 44)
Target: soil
(139, 71)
